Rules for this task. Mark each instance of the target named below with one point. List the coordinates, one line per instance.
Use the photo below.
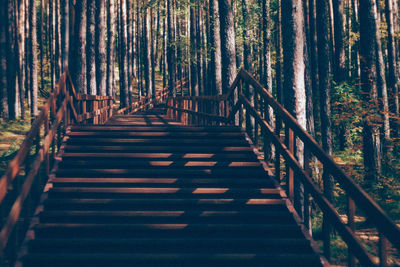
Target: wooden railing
(23, 181)
(146, 102)
(285, 135)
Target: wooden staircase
(146, 191)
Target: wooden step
(156, 149)
(183, 245)
(226, 155)
(137, 230)
(168, 217)
(163, 172)
(173, 259)
(126, 128)
(165, 163)
(160, 182)
(160, 192)
(261, 204)
(177, 134)
(157, 141)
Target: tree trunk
(100, 36)
(382, 85)
(369, 80)
(228, 46)
(123, 39)
(325, 104)
(21, 58)
(340, 55)
(91, 47)
(33, 58)
(193, 49)
(78, 54)
(64, 33)
(249, 90)
(294, 84)
(171, 49)
(146, 51)
(215, 43)
(393, 83)
(110, 47)
(3, 61)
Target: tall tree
(215, 43)
(325, 104)
(64, 33)
(339, 34)
(91, 47)
(3, 61)
(228, 45)
(33, 58)
(123, 40)
(100, 36)
(78, 50)
(294, 70)
(369, 80)
(171, 48)
(393, 77)
(110, 46)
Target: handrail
(63, 105)
(144, 103)
(224, 106)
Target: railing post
(383, 250)
(290, 183)
(256, 106)
(278, 126)
(351, 210)
(307, 207)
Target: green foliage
(347, 112)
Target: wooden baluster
(351, 211)
(278, 127)
(196, 108)
(383, 250)
(307, 207)
(95, 108)
(84, 109)
(256, 103)
(46, 156)
(290, 181)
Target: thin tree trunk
(340, 55)
(123, 39)
(171, 49)
(100, 40)
(3, 61)
(41, 46)
(33, 58)
(382, 85)
(215, 43)
(325, 105)
(393, 83)
(78, 53)
(369, 80)
(228, 46)
(294, 84)
(249, 90)
(91, 47)
(110, 47)
(64, 33)
(21, 57)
